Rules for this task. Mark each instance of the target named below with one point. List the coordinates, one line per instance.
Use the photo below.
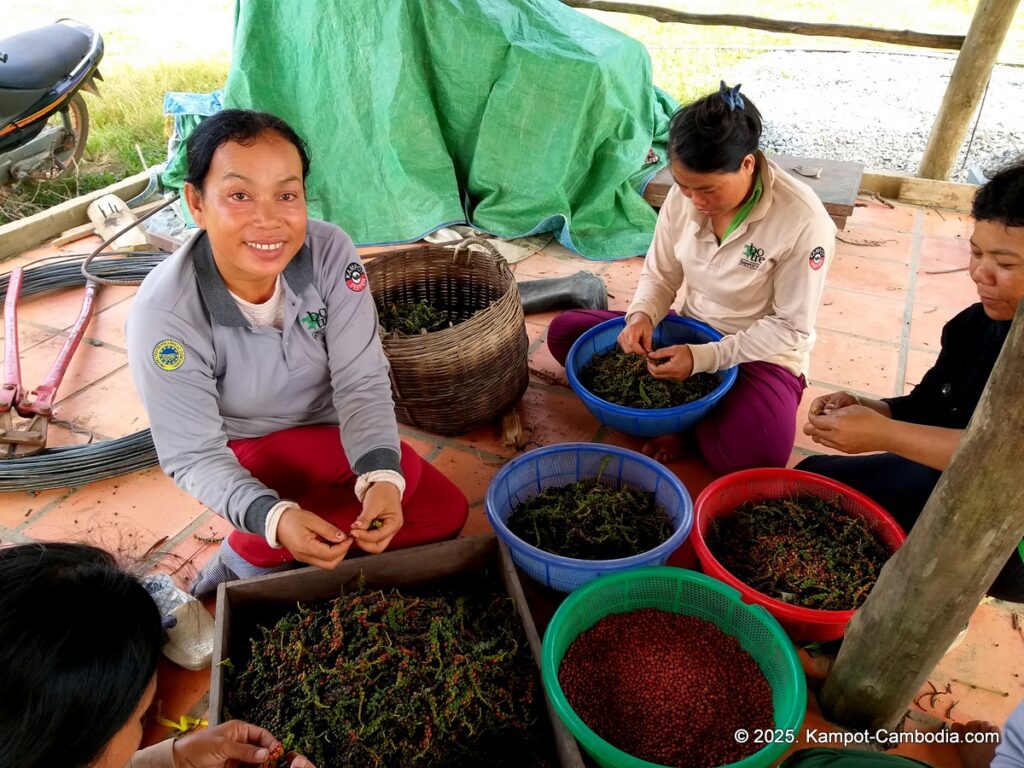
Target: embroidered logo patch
(315, 322)
(753, 257)
(169, 355)
(817, 258)
(355, 277)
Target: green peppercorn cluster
(590, 520)
(414, 318)
(378, 678)
(623, 379)
(804, 550)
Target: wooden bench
(836, 187)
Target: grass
(152, 48)
(126, 126)
(131, 111)
(25, 198)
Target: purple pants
(754, 425)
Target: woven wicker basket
(452, 381)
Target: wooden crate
(837, 187)
(241, 605)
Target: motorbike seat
(41, 57)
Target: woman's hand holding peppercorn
(850, 429)
(673, 363)
(833, 401)
(311, 539)
(231, 745)
(850, 423)
(381, 518)
(637, 338)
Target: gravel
(875, 108)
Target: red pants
(308, 466)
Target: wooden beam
(878, 35)
(928, 590)
(914, 191)
(895, 186)
(20, 235)
(884, 183)
(941, 194)
(73, 234)
(87, 230)
(971, 73)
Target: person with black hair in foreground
(750, 247)
(917, 433)
(79, 643)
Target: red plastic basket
(727, 493)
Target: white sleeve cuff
(273, 518)
(363, 482)
(705, 358)
(647, 307)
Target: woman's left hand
(228, 745)
(677, 365)
(383, 502)
(851, 429)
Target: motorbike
(44, 121)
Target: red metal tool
(18, 440)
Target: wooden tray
(241, 605)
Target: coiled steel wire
(80, 464)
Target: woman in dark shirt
(919, 432)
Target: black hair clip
(731, 96)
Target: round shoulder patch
(817, 258)
(355, 277)
(169, 355)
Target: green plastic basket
(691, 594)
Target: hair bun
(716, 132)
(730, 96)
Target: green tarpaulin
(515, 116)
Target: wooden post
(928, 590)
(971, 73)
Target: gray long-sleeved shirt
(205, 376)
(1010, 752)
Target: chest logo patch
(169, 355)
(753, 257)
(817, 258)
(315, 323)
(355, 277)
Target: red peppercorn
(666, 688)
(274, 757)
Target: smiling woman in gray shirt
(255, 350)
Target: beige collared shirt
(761, 287)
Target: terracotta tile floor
(890, 290)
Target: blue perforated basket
(643, 422)
(557, 465)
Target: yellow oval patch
(169, 355)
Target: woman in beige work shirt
(749, 246)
